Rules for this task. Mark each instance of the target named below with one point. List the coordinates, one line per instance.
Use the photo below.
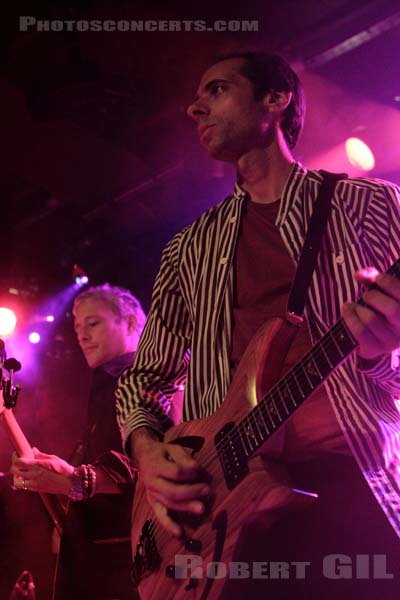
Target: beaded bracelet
(83, 483)
(91, 481)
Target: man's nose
(83, 336)
(197, 109)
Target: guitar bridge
(146, 557)
(232, 455)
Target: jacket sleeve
(382, 239)
(144, 391)
(119, 469)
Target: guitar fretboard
(298, 384)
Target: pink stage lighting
(8, 321)
(359, 154)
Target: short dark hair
(269, 72)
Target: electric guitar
(229, 447)
(56, 506)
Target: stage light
(79, 276)
(8, 321)
(81, 280)
(49, 318)
(34, 337)
(359, 154)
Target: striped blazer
(190, 318)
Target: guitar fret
(321, 362)
(249, 445)
(316, 367)
(260, 437)
(282, 399)
(259, 411)
(345, 338)
(275, 408)
(270, 417)
(298, 384)
(285, 407)
(294, 384)
(307, 372)
(287, 393)
(249, 432)
(311, 371)
(262, 407)
(304, 380)
(243, 440)
(250, 437)
(333, 337)
(324, 350)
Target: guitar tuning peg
(10, 393)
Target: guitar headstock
(9, 391)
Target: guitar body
(265, 487)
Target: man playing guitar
(94, 560)
(220, 280)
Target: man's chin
(219, 153)
(92, 362)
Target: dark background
(100, 166)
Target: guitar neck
(55, 507)
(16, 435)
(299, 383)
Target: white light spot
(359, 154)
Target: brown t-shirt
(263, 273)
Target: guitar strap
(312, 243)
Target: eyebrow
(85, 319)
(210, 84)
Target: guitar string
(284, 393)
(326, 342)
(295, 375)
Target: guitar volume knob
(170, 571)
(193, 545)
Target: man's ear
(132, 322)
(277, 102)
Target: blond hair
(119, 299)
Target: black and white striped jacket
(190, 317)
